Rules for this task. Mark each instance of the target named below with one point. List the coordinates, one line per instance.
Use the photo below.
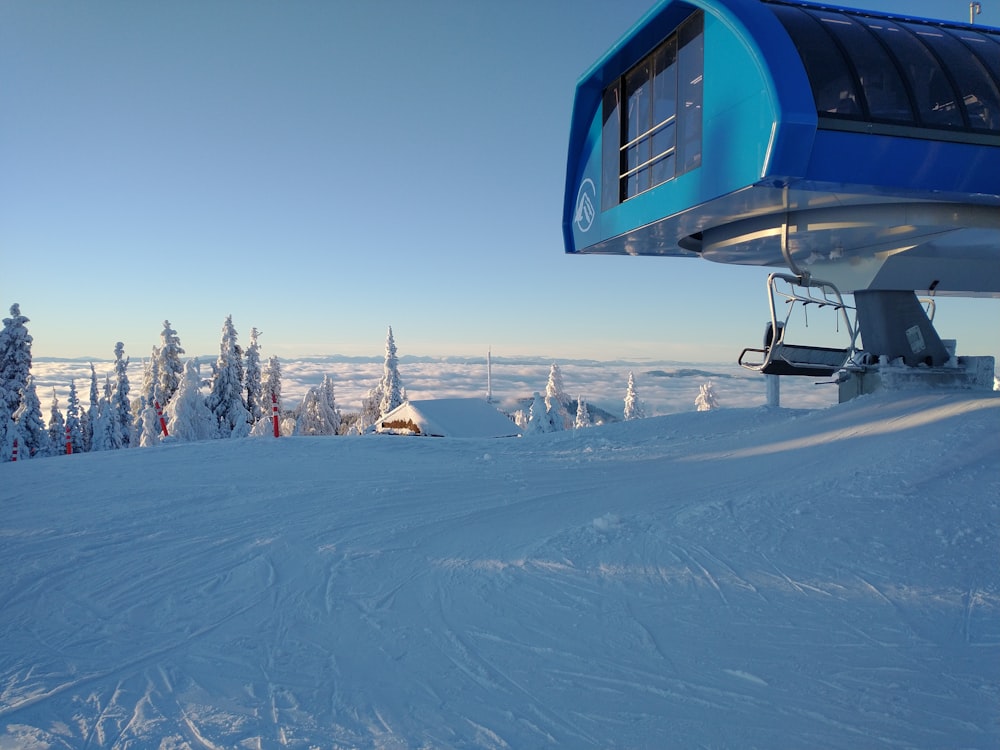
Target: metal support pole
(773, 391)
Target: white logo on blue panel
(585, 211)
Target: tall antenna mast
(489, 376)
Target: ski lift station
(852, 152)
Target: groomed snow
(729, 579)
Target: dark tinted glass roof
(879, 69)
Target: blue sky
(321, 170)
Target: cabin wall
(931, 169)
(738, 117)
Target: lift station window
(652, 117)
(894, 75)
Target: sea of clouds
(662, 387)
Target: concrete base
(959, 373)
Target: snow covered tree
(15, 368)
(539, 418)
(706, 400)
(311, 419)
(10, 439)
(329, 403)
(57, 428)
(318, 413)
(143, 407)
(272, 386)
(520, 419)
(85, 430)
(556, 400)
(92, 412)
(150, 390)
(104, 422)
(170, 368)
(225, 400)
(74, 417)
(633, 409)
(188, 416)
(390, 385)
(146, 430)
(121, 409)
(254, 385)
(15, 357)
(34, 436)
(582, 414)
(370, 408)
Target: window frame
(635, 153)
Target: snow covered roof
(448, 417)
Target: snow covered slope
(735, 578)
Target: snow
(732, 578)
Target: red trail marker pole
(69, 443)
(274, 414)
(163, 422)
(13, 456)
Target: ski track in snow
(735, 578)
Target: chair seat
(793, 359)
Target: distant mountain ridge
(686, 373)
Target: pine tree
(8, 428)
(272, 386)
(253, 380)
(539, 418)
(57, 429)
(147, 428)
(34, 437)
(555, 398)
(150, 391)
(15, 357)
(310, 419)
(318, 414)
(93, 410)
(121, 409)
(104, 422)
(15, 368)
(633, 409)
(370, 408)
(582, 414)
(328, 401)
(188, 416)
(143, 407)
(706, 400)
(520, 419)
(74, 418)
(226, 398)
(10, 438)
(86, 432)
(170, 367)
(391, 385)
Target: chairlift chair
(780, 358)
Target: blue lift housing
(857, 147)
